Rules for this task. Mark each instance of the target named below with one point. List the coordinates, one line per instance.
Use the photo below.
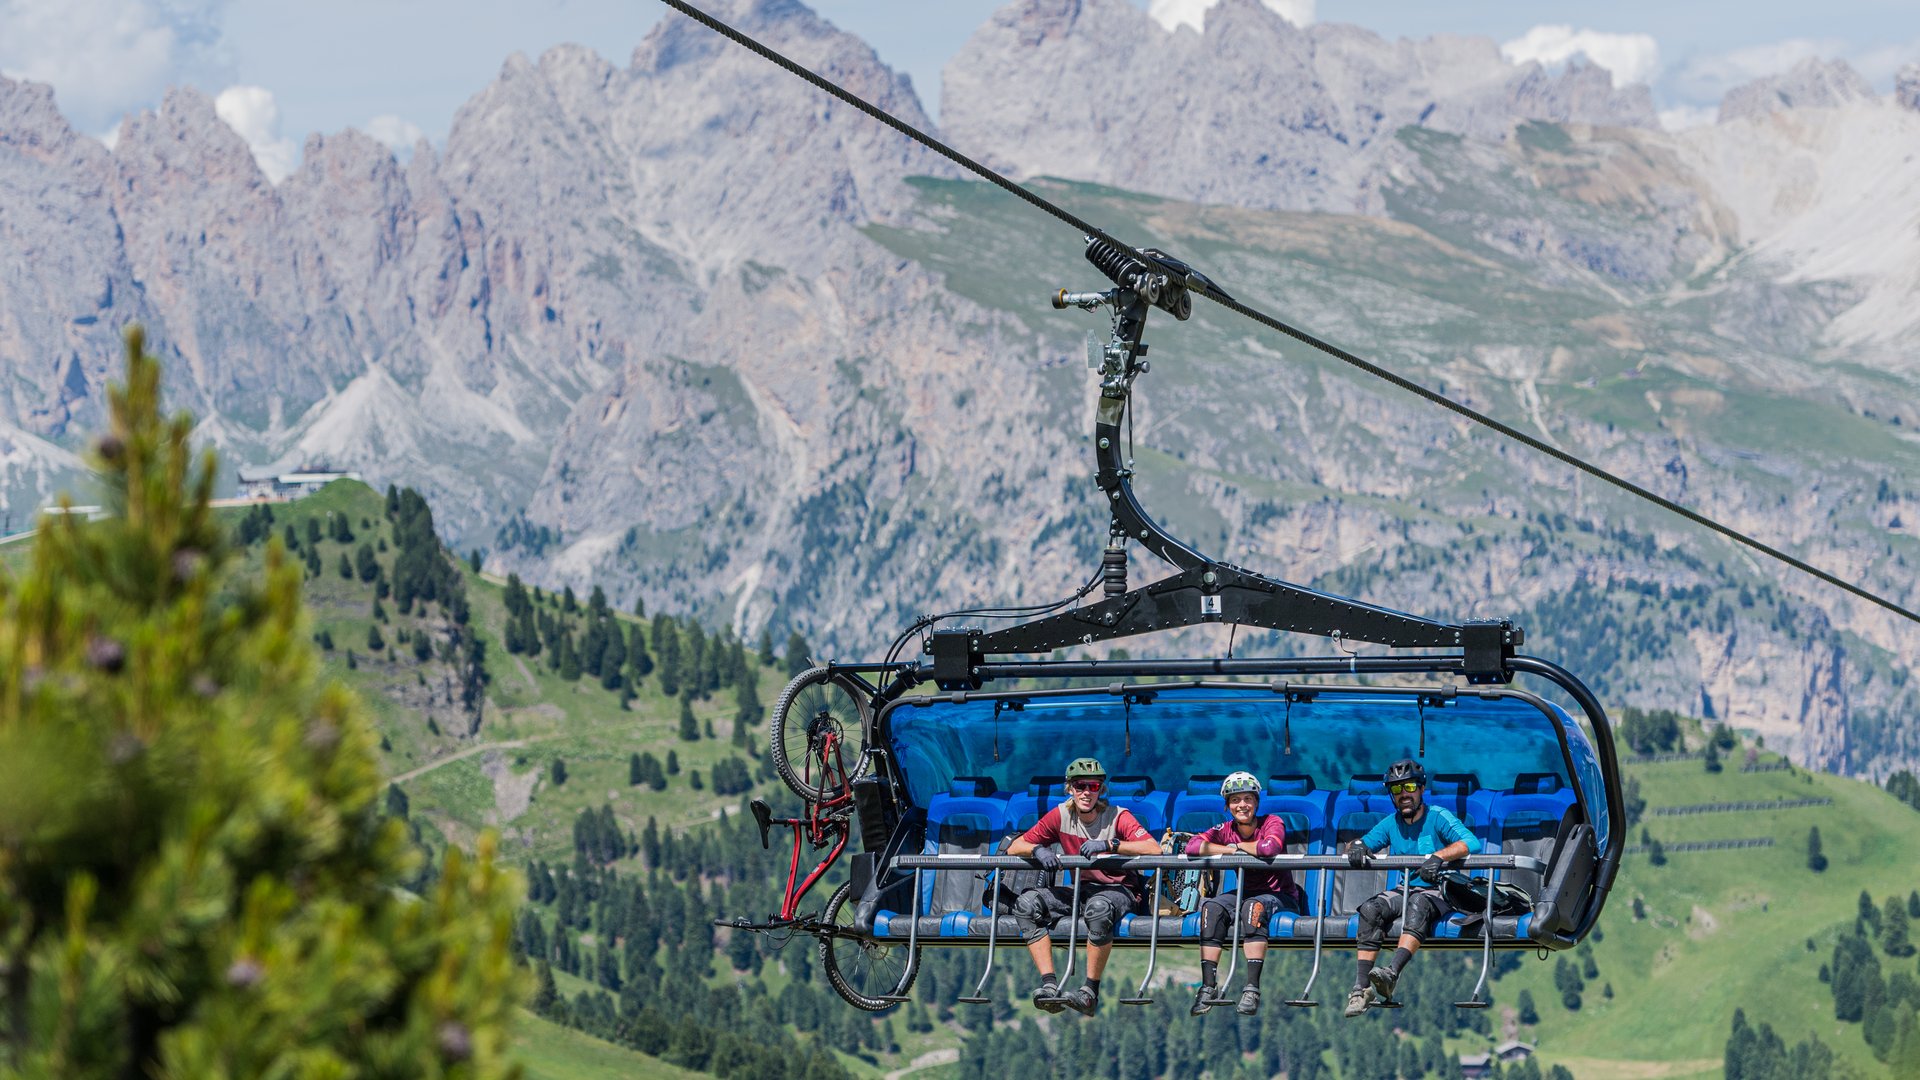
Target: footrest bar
(1136, 1001)
(973, 1000)
(1303, 1003)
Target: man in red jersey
(1086, 824)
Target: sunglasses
(1403, 787)
(1084, 785)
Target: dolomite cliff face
(688, 330)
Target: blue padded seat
(959, 824)
(1136, 795)
(1205, 785)
(1290, 784)
(1451, 790)
(1197, 813)
(1043, 794)
(974, 785)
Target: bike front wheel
(818, 734)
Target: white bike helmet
(1239, 782)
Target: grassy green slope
(552, 1052)
(1728, 929)
(500, 776)
(1723, 929)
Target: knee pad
(1101, 916)
(1422, 913)
(1213, 923)
(1030, 907)
(1253, 921)
(1376, 912)
(1376, 915)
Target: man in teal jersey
(1414, 829)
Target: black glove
(1358, 855)
(1048, 858)
(1432, 867)
(1096, 847)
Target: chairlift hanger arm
(1205, 590)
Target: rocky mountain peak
(31, 125)
(1811, 84)
(1253, 111)
(1906, 87)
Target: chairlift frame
(959, 662)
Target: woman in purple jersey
(1247, 832)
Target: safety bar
(1213, 862)
(1407, 864)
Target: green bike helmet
(1239, 783)
(1084, 767)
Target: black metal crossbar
(1157, 865)
(1212, 862)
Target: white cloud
(1708, 78)
(399, 135)
(1629, 58)
(105, 57)
(1173, 14)
(1879, 65)
(1682, 117)
(251, 111)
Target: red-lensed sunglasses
(1084, 785)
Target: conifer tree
(639, 661)
(666, 647)
(797, 652)
(765, 655)
(197, 878)
(689, 727)
(1816, 861)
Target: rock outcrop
(1254, 112)
(1906, 87)
(1811, 84)
(697, 333)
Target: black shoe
(1046, 997)
(1249, 1001)
(1082, 999)
(1383, 979)
(1202, 1000)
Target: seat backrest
(1149, 809)
(1290, 784)
(1024, 810)
(973, 785)
(1536, 783)
(958, 825)
(1198, 813)
(1563, 894)
(1205, 785)
(1350, 887)
(1047, 787)
(1528, 825)
(1451, 791)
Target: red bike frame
(824, 826)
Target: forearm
(1139, 847)
(1454, 852)
(1022, 846)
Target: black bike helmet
(1403, 770)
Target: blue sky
(400, 68)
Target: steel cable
(1093, 232)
